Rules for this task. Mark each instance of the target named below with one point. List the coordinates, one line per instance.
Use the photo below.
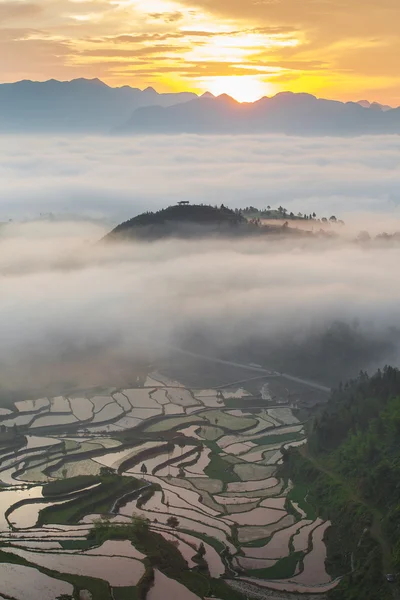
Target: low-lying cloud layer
(117, 178)
(77, 311)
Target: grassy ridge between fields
(60, 487)
(110, 488)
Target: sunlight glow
(246, 88)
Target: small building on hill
(183, 203)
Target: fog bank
(116, 178)
(81, 312)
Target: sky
(341, 49)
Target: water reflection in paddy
(118, 571)
(10, 497)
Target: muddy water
(140, 398)
(274, 503)
(278, 546)
(54, 419)
(187, 551)
(193, 524)
(314, 563)
(249, 486)
(116, 548)
(114, 459)
(82, 408)
(118, 571)
(155, 505)
(215, 564)
(10, 497)
(27, 583)
(258, 516)
(28, 515)
(197, 469)
(35, 441)
(173, 409)
(190, 497)
(255, 563)
(110, 411)
(31, 405)
(249, 534)
(301, 539)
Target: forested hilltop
(352, 469)
(195, 220)
(187, 220)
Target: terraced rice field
(211, 467)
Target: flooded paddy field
(96, 483)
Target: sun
(244, 88)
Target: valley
(160, 490)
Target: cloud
(116, 178)
(321, 47)
(79, 313)
(10, 11)
(167, 17)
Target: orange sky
(344, 49)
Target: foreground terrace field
(155, 492)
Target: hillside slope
(180, 221)
(352, 469)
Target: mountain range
(91, 106)
(80, 105)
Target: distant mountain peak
(207, 95)
(150, 90)
(226, 98)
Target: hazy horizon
(160, 90)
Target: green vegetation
(161, 555)
(219, 589)
(125, 593)
(218, 468)
(223, 419)
(111, 488)
(172, 423)
(242, 403)
(170, 220)
(214, 542)
(278, 439)
(250, 212)
(352, 474)
(76, 544)
(298, 494)
(282, 569)
(61, 487)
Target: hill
(80, 105)
(288, 113)
(195, 220)
(181, 220)
(352, 470)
